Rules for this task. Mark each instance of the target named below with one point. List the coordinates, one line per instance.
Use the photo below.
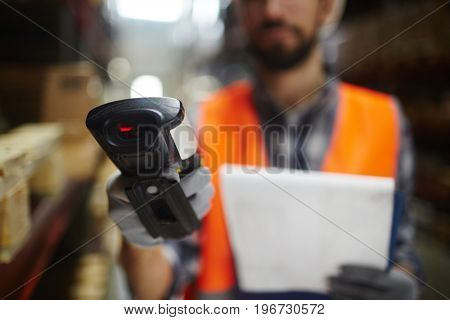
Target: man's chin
(277, 58)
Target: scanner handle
(163, 208)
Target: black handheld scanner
(146, 137)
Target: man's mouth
(275, 34)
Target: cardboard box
(71, 92)
(62, 93)
(81, 155)
(50, 176)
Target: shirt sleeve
(183, 256)
(404, 252)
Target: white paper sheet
(289, 231)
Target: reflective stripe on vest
(365, 141)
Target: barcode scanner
(145, 138)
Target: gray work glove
(197, 187)
(367, 283)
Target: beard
(277, 57)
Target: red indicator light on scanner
(125, 128)
(127, 131)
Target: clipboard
(290, 230)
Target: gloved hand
(197, 187)
(367, 283)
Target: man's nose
(273, 9)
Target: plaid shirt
(299, 139)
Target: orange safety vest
(365, 141)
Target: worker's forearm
(148, 270)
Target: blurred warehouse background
(60, 58)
